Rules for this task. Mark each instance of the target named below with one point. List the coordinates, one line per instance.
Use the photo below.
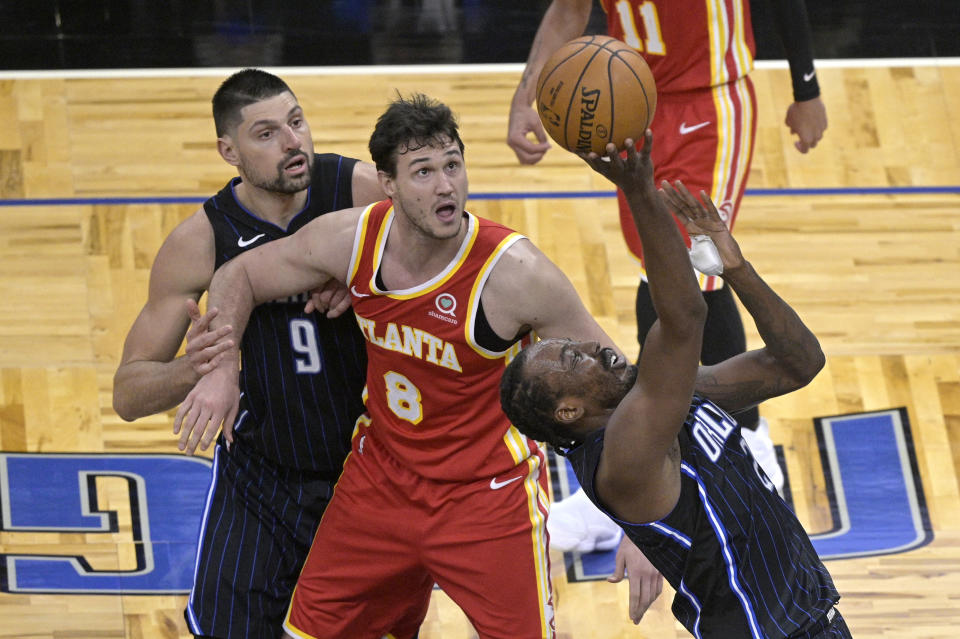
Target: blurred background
(94, 34)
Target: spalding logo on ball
(595, 90)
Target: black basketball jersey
(301, 375)
(739, 559)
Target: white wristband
(704, 255)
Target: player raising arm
(654, 448)
(701, 55)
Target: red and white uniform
(439, 487)
(700, 53)
(688, 44)
(433, 392)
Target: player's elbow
(816, 360)
(684, 313)
(693, 316)
(804, 368)
(232, 279)
(243, 280)
(123, 407)
(124, 399)
(698, 309)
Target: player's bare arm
(150, 378)
(366, 184)
(284, 267)
(563, 21)
(527, 291)
(333, 299)
(806, 116)
(642, 430)
(790, 359)
(791, 356)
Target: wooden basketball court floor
(855, 235)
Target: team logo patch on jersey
(447, 305)
(243, 242)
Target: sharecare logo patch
(446, 303)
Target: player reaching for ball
(701, 54)
(652, 445)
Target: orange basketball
(595, 90)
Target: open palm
(701, 218)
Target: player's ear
(228, 151)
(569, 410)
(387, 184)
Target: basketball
(595, 90)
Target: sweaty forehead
(548, 356)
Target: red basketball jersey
(689, 44)
(432, 392)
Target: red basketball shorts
(389, 534)
(705, 139)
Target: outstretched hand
(633, 173)
(701, 217)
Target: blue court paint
(873, 484)
(870, 471)
(57, 493)
(873, 487)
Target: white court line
(425, 69)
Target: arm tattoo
(741, 394)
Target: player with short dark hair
(408, 125)
(303, 373)
(655, 448)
